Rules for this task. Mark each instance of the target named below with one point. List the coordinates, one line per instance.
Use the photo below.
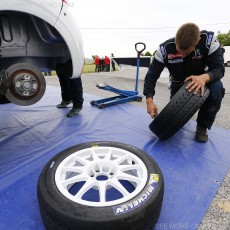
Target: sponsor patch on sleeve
(214, 45)
(159, 56)
(140, 199)
(209, 39)
(163, 50)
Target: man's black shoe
(73, 112)
(201, 134)
(63, 104)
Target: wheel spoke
(81, 160)
(102, 191)
(108, 155)
(77, 169)
(88, 185)
(74, 179)
(128, 177)
(117, 185)
(124, 168)
(120, 159)
(94, 155)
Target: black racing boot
(63, 104)
(73, 112)
(201, 134)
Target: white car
(227, 56)
(36, 36)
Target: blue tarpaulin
(30, 136)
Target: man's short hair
(187, 35)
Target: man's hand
(151, 108)
(197, 83)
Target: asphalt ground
(217, 216)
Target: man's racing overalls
(206, 58)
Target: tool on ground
(123, 95)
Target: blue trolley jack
(123, 95)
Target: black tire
(140, 213)
(4, 100)
(177, 112)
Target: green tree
(148, 54)
(224, 38)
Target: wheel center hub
(102, 171)
(25, 85)
(102, 177)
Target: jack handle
(139, 51)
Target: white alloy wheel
(101, 169)
(100, 185)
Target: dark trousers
(107, 67)
(71, 89)
(207, 112)
(97, 68)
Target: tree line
(224, 38)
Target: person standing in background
(102, 64)
(112, 61)
(97, 63)
(107, 63)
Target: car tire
(177, 112)
(130, 198)
(4, 100)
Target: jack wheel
(139, 99)
(102, 106)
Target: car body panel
(69, 34)
(227, 56)
(62, 17)
(48, 10)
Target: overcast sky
(114, 26)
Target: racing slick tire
(100, 185)
(177, 112)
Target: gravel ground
(217, 216)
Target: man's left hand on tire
(197, 83)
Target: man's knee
(216, 91)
